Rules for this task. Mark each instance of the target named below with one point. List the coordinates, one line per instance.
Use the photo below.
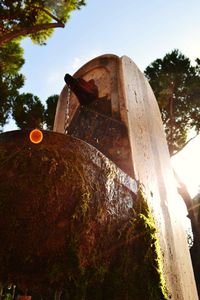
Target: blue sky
(144, 30)
(141, 29)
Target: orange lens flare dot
(36, 136)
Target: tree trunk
(26, 31)
(58, 294)
(195, 249)
(171, 138)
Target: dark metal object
(85, 91)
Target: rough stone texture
(105, 134)
(133, 103)
(152, 168)
(46, 192)
(100, 124)
(104, 70)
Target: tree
(28, 111)
(19, 18)
(34, 18)
(195, 250)
(176, 84)
(50, 111)
(11, 60)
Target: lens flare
(36, 136)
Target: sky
(144, 30)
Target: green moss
(135, 271)
(150, 269)
(131, 270)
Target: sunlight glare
(187, 165)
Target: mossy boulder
(71, 220)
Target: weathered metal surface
(46, 191)
(152, 168)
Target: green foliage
(50, 111)
(34, 18)
(39, 37)
(11, 60)
(28, 111)
(19, 18)
(8, 297)
(11, 57)
(176, 84)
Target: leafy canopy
(19, 18)
(176, 84)
(50, 111)
(35, 18)
(11, 60)
(28, 111)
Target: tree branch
(195, 206)
(192, 138)
(182, 190)
(19, 14)
(26, 31)
(48, 13)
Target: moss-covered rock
(70, 220)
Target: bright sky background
(144, 30)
